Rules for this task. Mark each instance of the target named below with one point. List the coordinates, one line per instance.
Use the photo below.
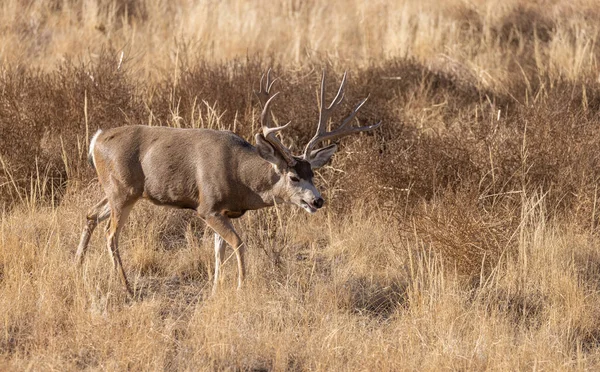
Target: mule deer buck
(216, 173)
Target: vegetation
(462, 234)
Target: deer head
(295, 184)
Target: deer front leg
(118, 217)
(97, 214)
(222, 226)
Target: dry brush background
(463, 234)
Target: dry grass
(462, 235)
(324, 294)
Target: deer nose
(318, 202)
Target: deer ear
(267, 151)
(320, 157)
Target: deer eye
(294, 179)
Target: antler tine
(262, 77)
(268, 131)
(264, 95)
(265, 119)
(324, 114)
(269, 85)
(325, 111)
(342, 132)
(353, 113)
(265, 116)
(340, 94)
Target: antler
(325, 113)
(266, 98)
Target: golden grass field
(461, 235)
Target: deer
(216, 173)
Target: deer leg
(118, 217)
(219, 254)
(96, 214)
(222, 226)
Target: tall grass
(325, 292)
(461, 235)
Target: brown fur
(206, 170)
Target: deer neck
(265, 182)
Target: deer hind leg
(118, 217)
(96, 214)
(222, 226)
(219, 254)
